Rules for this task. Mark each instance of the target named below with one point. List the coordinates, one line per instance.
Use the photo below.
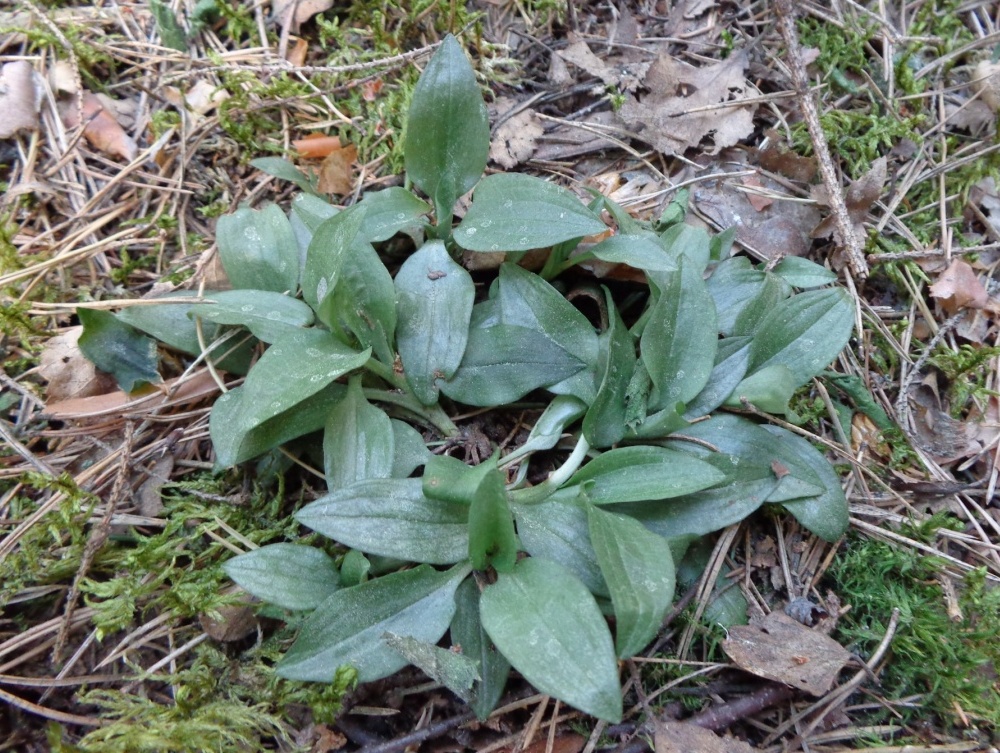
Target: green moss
(967, 370)
(947, 663)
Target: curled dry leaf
(336, 173)
(859, 198)
(782, 649)
(19, 98)
(316, 145)
(294, 13)
(68, 372)
(100, 127)
(515, 140)
(959, 287)
(62, 78)
(686, 105)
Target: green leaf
(772, 292)
(447, 130)
(456, 672)
(450, 480)
(633, 474)
(282, 169)
(118, 349)
(392, 518)
(731, 362)
(390, 211)
(503, 363)
(637, 251)
(307, 214)
(410, 452)
(258, 249)
(347, 628)
(720, 245)
(526, 300)
(268, 315)
(172, 34)
(733, 284)
(690, 242)
(557, 530)
(289, 575)
(550, 629)
(492, 541)
(333, 240)
(639, 569)
(679, 340)
(824, 514)
(804, 332)
(769, 389)
(515, 212)
(271, 387)
(365, 301)
(358, 442)
(354, 569)
(169, 322)
(467, 632)
(802, 273)
(434, 298)
(604, 424)
(234, 444)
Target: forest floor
(126, 129)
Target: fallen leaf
(579, 54)
(567, 743)
(859, 198)
(986, 83)
(62, 78)
(100, 127)
(370, 89)
(781, 649)
(148, 496)
(316, 145)
(776, 158)
(336, 174)
(947, 439)
(686, 105)
(199, 385)
(20, 98)
(959, 287)
(294, 13)
(233, 621)
(756, 199)
(68, 373)
(515, 140)
(205, 96)
(296, 54)
(327, 740)
(575, 138)
(682, 737)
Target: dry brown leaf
(682, 737)
(986, 83)
(859, 198)
(959, 287)
(68, 372)
(575, 138)
(148, 496)
(294, 13)
(781, 649)
(196, 387)
(296, 54)
(19, 98)
(371, 89)
(757, 201)
(515, 140)
(336, 173)
(687, 105)
(100, 127)
(567, 743)
(232, 622)
(579, 54)
(62, 78)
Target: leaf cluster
(520, 564)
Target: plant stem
(560, 476)
(433, 415)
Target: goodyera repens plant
(520, 573)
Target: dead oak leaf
(579, 54)
(515, 139)
(100, 127)
(959, 287)
(779, 648)
(686, 105)
(336, 173)
(860, 196)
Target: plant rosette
(524, 576)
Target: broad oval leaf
(434, 298)
(802, 273)
(233, 443)
(410, 452)
(731, 362)
(551, 630)
(503, 363)
(266, 314)
(643, 472)
(769, 388)
(392, 518)
(447, 129)
(492, 541)
(332, 241)
(639, 569)
(825, 514)
(680, 338)
(450, 480)
(292, 576)
(117, 348)
(733, 284)
(169, 322)
(365, 301)
(258, 249)
(390, 211)
(690, 242)
(281, 168)
(638, 251)
(556, 530)
(358, 442)
(515, 212)
(804, 332)
(307, 213)
(347, 628)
